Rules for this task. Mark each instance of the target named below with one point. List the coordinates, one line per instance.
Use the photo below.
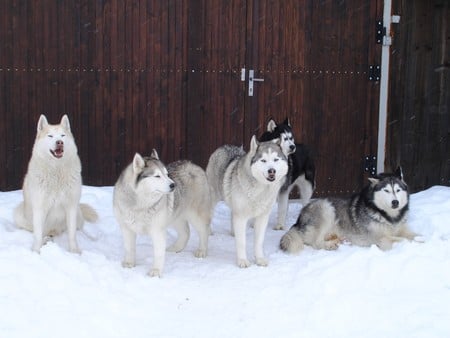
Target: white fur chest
(145, 215)
(53, 183)
(383, 227)
(247, 196)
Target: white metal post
(384, 86)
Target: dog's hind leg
(183, 232)
(71, 219)
(203, 230)
(283, 206)
(305, 188)
(19, 218)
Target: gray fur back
(217, 165)
(190, 183)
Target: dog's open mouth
(271, 177)
(58, 151)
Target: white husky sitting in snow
(52, 186)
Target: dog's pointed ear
(65, 122)
(399, 172)
(42, 123)
(373, 181)
(138, 163)
(253, 145)
(154, 154)
(271, 125)
(287, 122)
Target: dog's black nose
(271, 171)
(395, 204)
(292, 147)
(59, 143)
(172, 186)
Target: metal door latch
(251, 79)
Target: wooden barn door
(215, 93)
(314, 58)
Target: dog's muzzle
(394, 204)
(58, 152)
(271, 177)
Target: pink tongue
(58, 152)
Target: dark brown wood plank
(418, 120)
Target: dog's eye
(398, 190)
(63, 135)
(263, 161)
(158, 176)
(275, 159)
(50, 136)
(385, 190)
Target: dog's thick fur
(301, 173)
(248, 183)
(377, 215)
(52, 186)
(148, 197)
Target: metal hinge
(374, 72)
(380, 31)
(370, 164)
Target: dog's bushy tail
(89, 214)
(291, 241)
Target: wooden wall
(141, 74)
(117, 68)
(419, 118)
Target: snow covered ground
(351, 292)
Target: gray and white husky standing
(148, 197)
(249, 184)
(52, 186)
(377, 215)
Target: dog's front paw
(37, 245)
(75, 250)
(418, 239)
(126, 264)
(332, 242)
(36, 248)
(278, 227)
(243, 263)
(199, 253)
(175, 248)
(261, 261)
(155, 273)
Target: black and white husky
(377, 215)
(249, 184)
(301, 173)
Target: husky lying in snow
(52, 186)
(376, 215)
